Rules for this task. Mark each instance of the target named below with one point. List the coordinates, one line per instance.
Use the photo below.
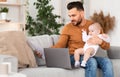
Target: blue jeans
(91, 67)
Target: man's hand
(38, 54)
(95, 40)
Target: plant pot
(4, 16)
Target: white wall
(112, 7)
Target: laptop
(57, 57)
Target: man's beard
(78, 23)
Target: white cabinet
(17, 11)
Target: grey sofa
(43, 71)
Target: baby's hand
(105, 35)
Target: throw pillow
(55, 38)
(39, 43)
(34, 44)
(14, 43)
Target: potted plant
(4, 11)
(45, 21)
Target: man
(71, 37)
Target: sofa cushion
(54, 38)
(43, 41)
(14, 43)
(34, 44)
(38, 43)
(114, 52)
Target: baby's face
(94, 30)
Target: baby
(89, 50)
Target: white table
(14, 75)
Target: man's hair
(75, 4)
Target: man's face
(75, 16)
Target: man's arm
(98, 41)
(105, 37)
(62, 42)
(105, 45)
(63, 39)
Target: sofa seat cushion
(44, 71)
(116, 67)
(52, 72)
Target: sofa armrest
(13, 60)
(114, 52)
